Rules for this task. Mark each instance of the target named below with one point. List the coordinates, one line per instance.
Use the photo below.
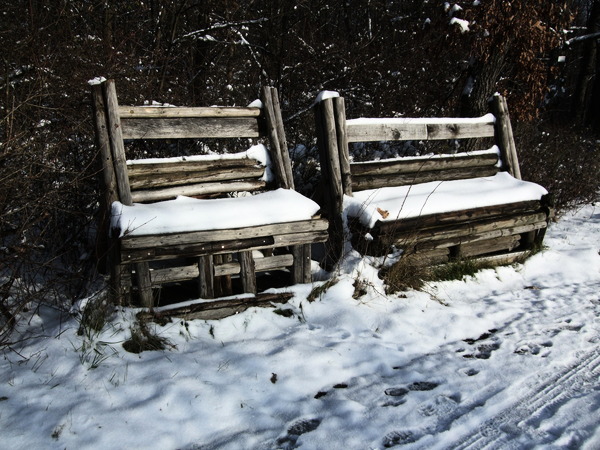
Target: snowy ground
(507, 359)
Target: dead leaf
(383, 213)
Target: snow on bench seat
(186, 214)
(435, 197)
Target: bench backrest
(335, 133)
(165, 178)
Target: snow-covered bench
(440, 207)
(206, 217)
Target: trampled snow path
(509, 358)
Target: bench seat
(403, 202)
(186, 214)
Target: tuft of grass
(456, 270)
(95, 315)
(143, 339)
(318, 291)
(284, 312)
(407, 273)
(360, 288)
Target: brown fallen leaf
(383, 213)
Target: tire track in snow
(529, 411)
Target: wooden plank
(339, 113)
(361, 183)
(144, 285)
(298, 266)
(260, 265)
(435, 163)
(503, 243)
(164, 180)
(285, 155)
(224, 269)
(145, 112)
(114, 128)
(206, 278)
(461, 236)
(373, 130)
(103, 142)
(220, 247)
(464, 215)
(304, 226)
(190, 128)
(136, 169)
(247, 272)
(217, 309)
(197, 190)
(504, 132)
(503, 260)
(279, 163)
(460, 130)
(384, 131)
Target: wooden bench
(193, 217)
(434, 208)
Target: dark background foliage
(388, 58)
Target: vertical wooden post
(279, 163)
(247, 272)
(339, 111)
(327, 142)
(206, 277)
(504, 135)
(113, 127)
(285, 155)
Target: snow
(508, 358)
(97, 80)
(463, 24)
(488, 118)
(186, 214)
(438, 197)
(324, 95)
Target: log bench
(433, 208)
(205, 217)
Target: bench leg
(247, 272)
(206, 277)
(301, 272)
(223, 285)
(142, 271)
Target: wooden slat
(206, 279)
(361, 183)
(139, 168)
(144, 112)
(190, 128)
(504, 243)
(339, 113)
(460, 130)
(115, 128)
(184, 273)
(166, 179)
(220, 247)
(407, 165)
(506, 140)
(471, 232)
(373, 130)
(260, 265)
(308, 226)
(217, 309)
(464, 215)
(197, 190)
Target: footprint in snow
(296, 430)
(398, 438)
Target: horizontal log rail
(145, 112)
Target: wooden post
(505, 138)
(115, 134)
(247, 272)
(275, 143)
(285, 156)
(327, 143)
(339, 110)
(206, 276)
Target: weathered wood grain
(190, 128)
(148, 112)
(193, 190)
